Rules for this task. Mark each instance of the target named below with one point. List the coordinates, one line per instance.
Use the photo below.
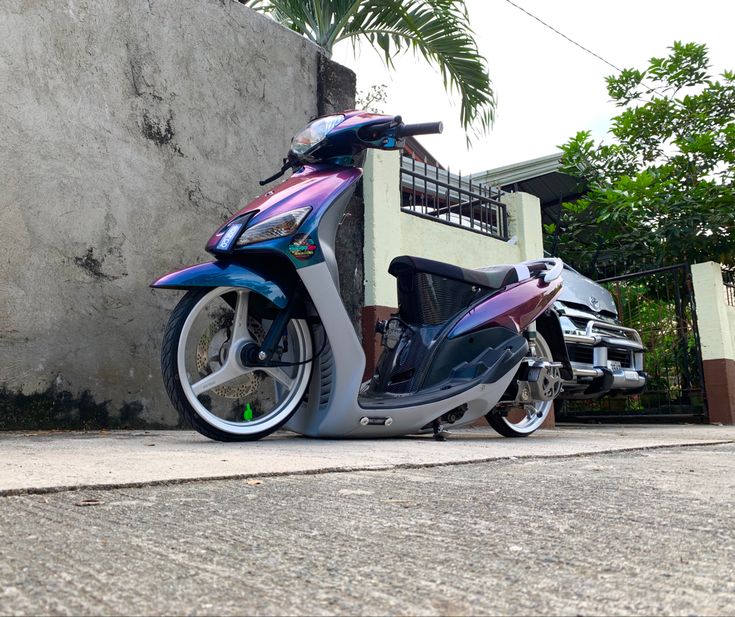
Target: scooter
(261, 339)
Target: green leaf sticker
(248, 413)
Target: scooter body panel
(515, 307)
(314, 186)
(342, 415)
(223, 274)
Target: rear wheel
(206, 378)
(522, 421)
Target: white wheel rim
(531, 422)
(232, 368)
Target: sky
(547, 89)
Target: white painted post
(716, 323)
(524, 222)
(712, 319)
(382, 193)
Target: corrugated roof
(517, 172)
(540, 177)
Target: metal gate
(659, 304)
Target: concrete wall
(390, 232)
(716, 324)
(129, 131)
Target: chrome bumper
(600, 337)
(623, 378)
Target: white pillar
(524, 222)
(382, 192)
(714, 324)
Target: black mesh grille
(428, 299)
(585, 355)
(580, 354)
(620, 355)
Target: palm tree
(438, 29)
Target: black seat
(493, 277)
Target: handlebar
(424, 128)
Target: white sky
(547, 89)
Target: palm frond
(439, 30)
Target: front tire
(204, 375)
(521, 422)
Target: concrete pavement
(42, 462)
(645, 532)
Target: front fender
(222, 274)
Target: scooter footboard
(223, 274)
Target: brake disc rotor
(212, 351)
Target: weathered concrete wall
(128, 131)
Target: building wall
(389, 232)
(130, 130)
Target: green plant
(438, 30)
(663, 190)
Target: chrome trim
(592, 341)
(602, 325)
(598, 333)
(579, 338)
(621, 342)
(587, 372)
(624, 377)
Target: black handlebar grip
(424, 128)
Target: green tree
(438, 30)
(663, 190)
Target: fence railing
(450, 199)
(659, 304)
(728, 278)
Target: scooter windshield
(313, 134)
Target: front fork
(253, 354)
(530, 335)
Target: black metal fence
(450, 199)
(728, 278)
(659, 304)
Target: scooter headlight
(274, 227)
(313, 134)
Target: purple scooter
(261, 340)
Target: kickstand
(439, 433)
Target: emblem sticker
(302, 247)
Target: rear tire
(208, 384)
(529, 420)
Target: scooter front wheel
(212, 388)
(521, 422)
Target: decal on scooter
(302, 247)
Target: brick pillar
(716, 321)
